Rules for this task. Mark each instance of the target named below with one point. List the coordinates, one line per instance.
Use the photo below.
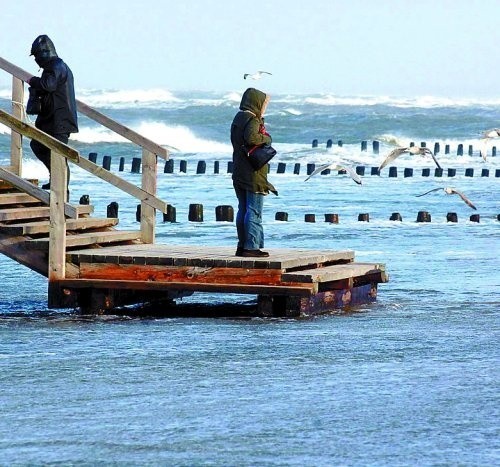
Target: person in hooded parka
(55, 87)
(251, 186)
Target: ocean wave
(160, 97)
(126, 98)
(176, 136)
(401, 102)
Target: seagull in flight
(256, 75)
(412, 150)
(452, 191)
(337, 166)
(489, 134)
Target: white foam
(176, 136)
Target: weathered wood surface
(294, 289)
(334, 273)
(17, 198)
(57, 232)
(28, 187)
(36, 212)
(7, 186)
(42, 227)
(205, 256)
(87, 238)
(122, 130)
(148, 214)
(16, 139)
(216, 275)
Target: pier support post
(148, 213)
(16, 139)
(57, 234)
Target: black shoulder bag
(260, 155)
(34, 104)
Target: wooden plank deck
(193, 255)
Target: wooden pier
(92, 265)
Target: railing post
(148, 213)
(16, 142)
(57, 236)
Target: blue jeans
(249, 219)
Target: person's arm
(49, 80)
(252, 135)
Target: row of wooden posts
(423, 144)
(281, 168)
(225, 213)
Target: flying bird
(395, 153)
(489, 134)
(452, 191)
(256, 75)
(494, 133)
(337, 166)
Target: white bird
(452, 191)
(256, 75)
(412, 150)
(489, 134)
(494, 133)
(336, 166)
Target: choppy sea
(411, 379)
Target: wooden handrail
(93, 114)
(74, 156)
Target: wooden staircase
(25, 227)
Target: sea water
(409, 379)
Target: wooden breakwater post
(364, 217)
(136, 165)
(423, 216)
(169, 166)
(106, 162)
(310, 218)
(281, 168)
(452, 217)
(201, 167)
(85, 199)
(170, 215)
(112, 210)
(281, 216)
(195, 212)
(395, 216)
(93, 157)
(332, 218)
(224, 213)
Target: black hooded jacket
(58, 114)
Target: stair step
(6, 186)
(37, 212)
(17, 198)
(42, 227)
(87, 238)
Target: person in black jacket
(55, 88)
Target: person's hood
(43, 50)
(253, 100)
